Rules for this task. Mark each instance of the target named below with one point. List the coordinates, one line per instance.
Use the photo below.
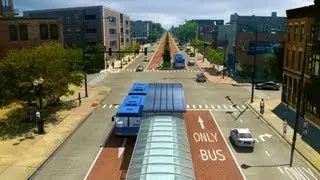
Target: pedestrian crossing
(216, 107)
(157, 70)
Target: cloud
(174, 12)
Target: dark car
(270, 85)
(139, 68)
(201, 77)
(191, 62)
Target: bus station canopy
(162, 151)
(165, 97)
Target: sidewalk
(117, 64)
(311, 155)
(209, 72)
(20, 157)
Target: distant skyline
(175, 12)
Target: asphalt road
(76, 156)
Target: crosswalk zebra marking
(116, 106)
(212, 106)
(200, 106)
(243, 107)
(110, 106)
(225, 106)
(219, 107)
(194, 106)
(231, 106)
(206, 106)
(188, 106)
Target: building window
(91, 30)
(69, 29)
(289, 32)
(295, 33)
(112, 20)
(279, 27)
(287, 58)
(127, 23)
(121, 40)
(127, 31)
(316, 68)
(67, 17)
(299, 61)
(54, 31)
(44, 32)
(23, 32)
(301, 32)
(13, 33)
(294, 92)
(267, 27)
(112, 32)
(284, 91)
(293, 59)
(289, 89)
(78, 29)
(113, 43)
(121, 30)
(127, 39)
(90, 17)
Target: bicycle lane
(211, 156)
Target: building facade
(6, 8)
(140, 29)
(302, 47)
(207, 30)
(260, 24)
(125, 30)
(22, 32)
(87, 26)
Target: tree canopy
(156, 31)
(273, 64)
(58, 66)
(185, 32)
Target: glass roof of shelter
(162, 151)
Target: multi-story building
(20, 32)
(302, 47)
(263, 25)
(207, 30)
(125, 30)
(7, 8)
(140, 29)
(91, 25)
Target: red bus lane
(157, 57)
(211, 156)
(113, 160)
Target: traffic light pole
(254, 66)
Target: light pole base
(40, 125)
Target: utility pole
(254, 65)
(119, 54)
(225, 54)
(83, 55)
(299, 99)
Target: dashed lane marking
(104, 106)
(267, 153)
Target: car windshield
(245, 135)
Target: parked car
(270, 85)
(201, 77)
(191, 62)
(241, 137)
(139, 68)
(145, 58)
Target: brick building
(302, 46)
(245, 61)
(22, 32)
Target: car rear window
(245, 135)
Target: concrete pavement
(277, 124)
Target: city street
(93, 152)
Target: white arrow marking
(104, 106)
(201, 122)
(121, 149)
(264, 135)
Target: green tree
(215, 57)
(166, 56)
(95, 59)
(273, 64)
(156, 31)
(186, 32)
(58, 67)
(197, 44)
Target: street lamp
(38, 83)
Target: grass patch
(166, 64)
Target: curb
(300, 153)
(77, 126)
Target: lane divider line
(234, 158)
(267, 153)
(280, 170)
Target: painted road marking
(201, 122)
(104, 106)
(219, 107)
(110, 106)
(241, 120)
(243, 106)
(209, 150)
(116, 106)
(200, 106)
(231, 106)
(298, 173)
(256, 140)
(265, 135)
(225, 106)
(206, 106)
(212, 106)
(194, 106)
(188, 106)
(122, 147)
(267, 153)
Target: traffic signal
(110, 52)
(145, 51)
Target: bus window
(121, 121)
(134, 121)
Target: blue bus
(139, 89)
(129, 116)
(179, 61)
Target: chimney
(274, 14)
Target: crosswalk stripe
(212, 106)
(243, 106)
(238, 107)
(110, 106)
(225, 106)
(194, 106)
(200, 106)
(116, 106)
(231, 106)
(188, 106)
(206, 106)
(219, 107)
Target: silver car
(241, 137)
(201, 77)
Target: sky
(174, 12)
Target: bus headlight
(119, 123)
